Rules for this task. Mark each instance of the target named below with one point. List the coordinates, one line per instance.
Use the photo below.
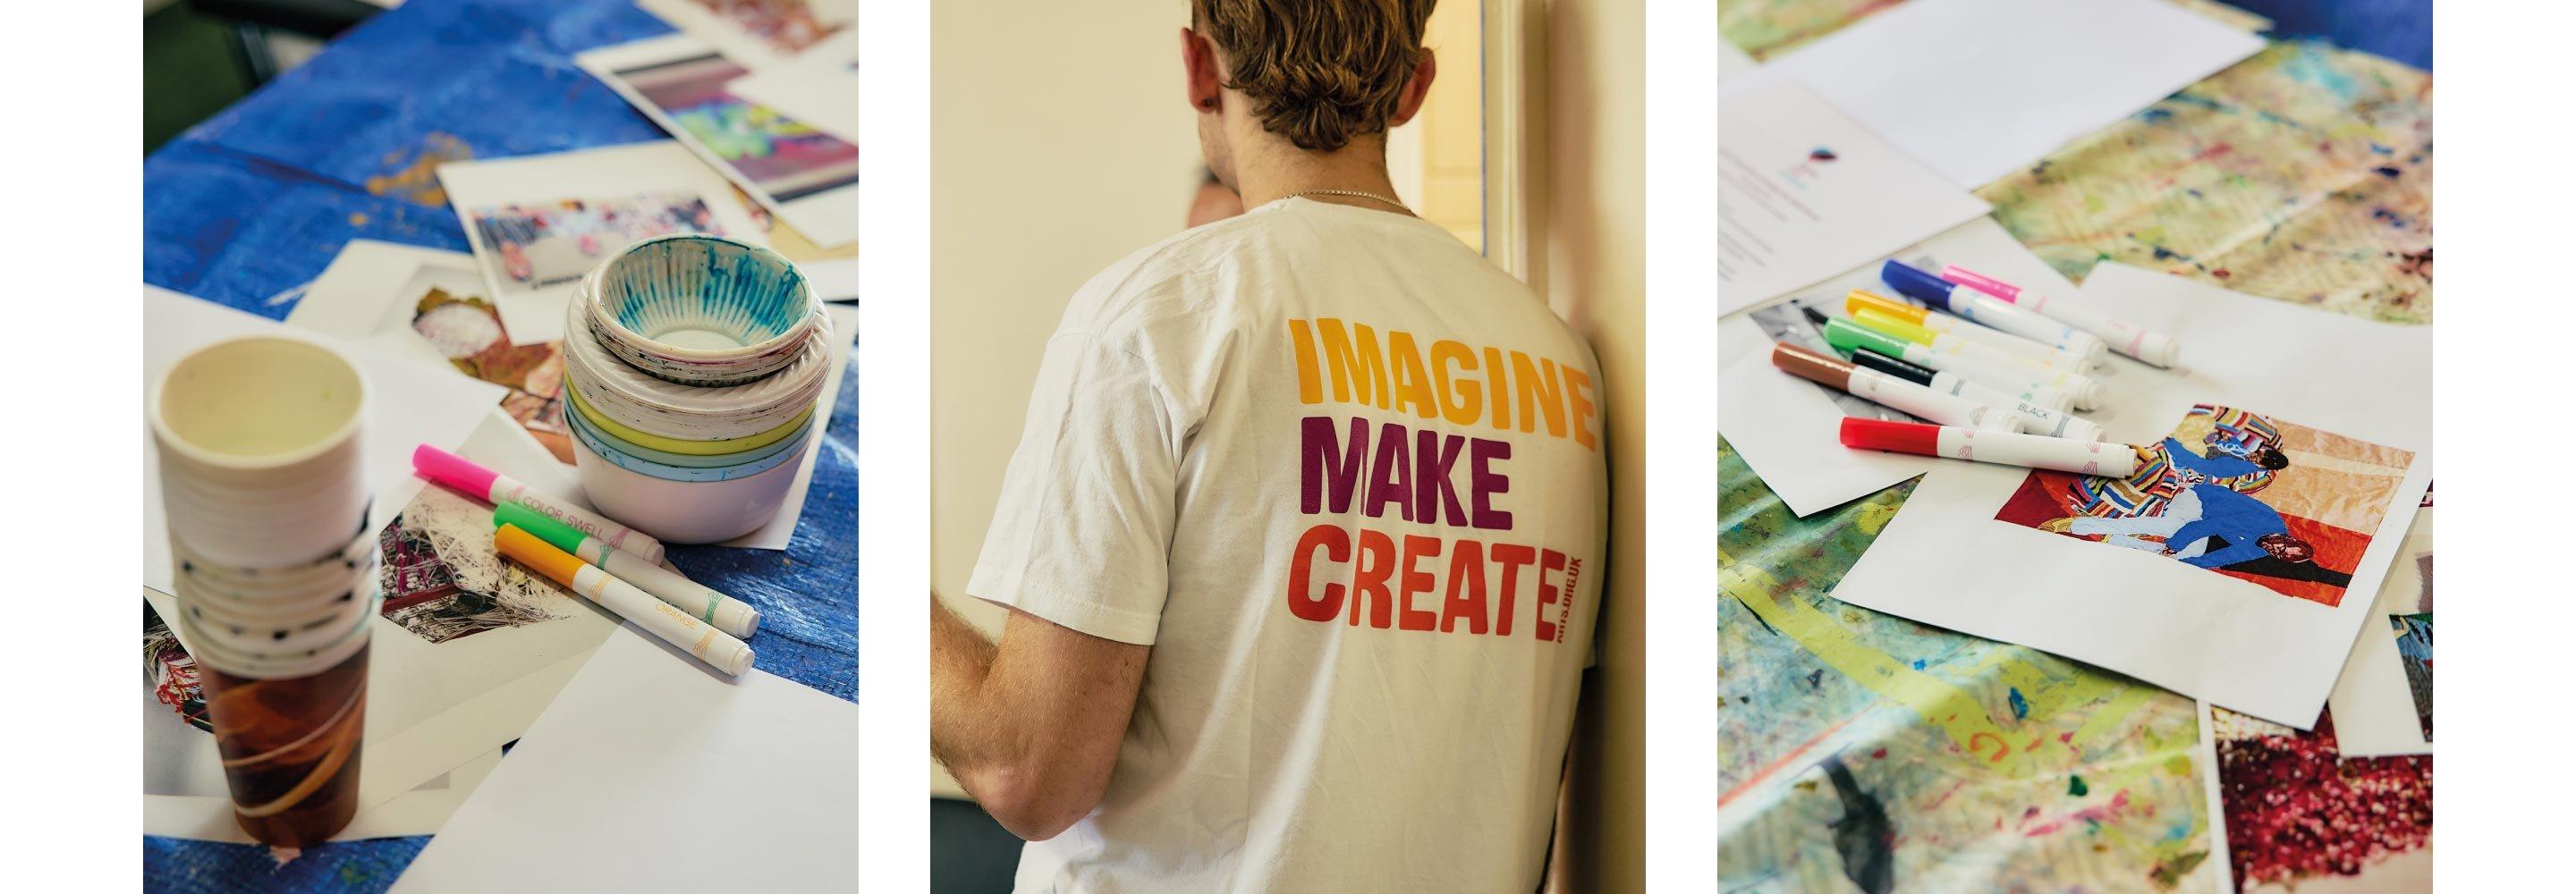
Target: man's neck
(1270, 169)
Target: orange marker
(718, 650)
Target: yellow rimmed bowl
(628, 396)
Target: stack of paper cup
(693, 366)
(265, 489)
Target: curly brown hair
(1319, 72)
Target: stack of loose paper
(2351, 403)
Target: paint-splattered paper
(2303, 174)
(1946, 560)
(1861, 751)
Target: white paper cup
(258, 441)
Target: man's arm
(1029, 726)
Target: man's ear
(1204, 82)
(1416, 89)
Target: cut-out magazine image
(2249, 496)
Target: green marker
(733, 616)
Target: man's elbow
(1039, 800)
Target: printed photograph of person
(1280, 554)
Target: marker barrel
(733, 616)
(2081, 391)
(2145, 344)
(619, 537)
(1988, 310)
(1858, 300)
(2058, 388)
(1946, 409)
(2002, 448)
(622, 599)
(2036, 419)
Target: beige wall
(1060, 143)
(1593, 265)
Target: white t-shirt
(1345, 476)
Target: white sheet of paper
(825, 209)
(1804, 193)
(1944, 560)
(1786, 427)
(2374, 705)
(408, 404)
(775, 534)
(1732, 61)
(1979, 88)
(532, 307)
(818, 87)
(647, 754)
(421, 811)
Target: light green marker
(733, 616)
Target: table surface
(2321, 197)
(254, 202)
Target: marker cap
(1916, 284)
(452, 470)
(557, 534)
(1830, 372)
(1860, 299)
(2158, 348)
(1895, 328)
(1846, 336)
(1980, 282)
(1877, 362)
(1898, 437)
(555, 564)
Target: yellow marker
(622, 599)
(2051, 356)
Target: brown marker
(1886, 391)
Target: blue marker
(1990, 311)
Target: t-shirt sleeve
(1082, 533)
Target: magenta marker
(492, 487)
(1988, 310)
(2145, 344)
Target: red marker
(2006, 448)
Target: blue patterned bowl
(700, 310)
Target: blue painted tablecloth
(257, 200)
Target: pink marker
(2005, 448)
(492, 487)
(2127, 338)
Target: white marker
(2125, 337)
(1889, 391)
(1861, 303)
(1988, 310)
(622, 599)
(2077, 389)
(2003, 448)
(2054, 422)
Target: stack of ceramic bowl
(693, 365)
(264, 486)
